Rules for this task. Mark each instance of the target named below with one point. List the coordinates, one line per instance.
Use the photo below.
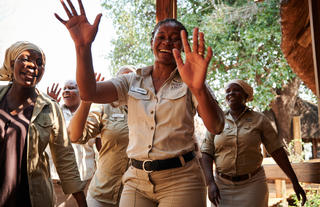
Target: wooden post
(166, 9)
(297, 135)
(314, 148)
(280, 186)
(314, 8)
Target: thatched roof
(296, 39)
(308, 113)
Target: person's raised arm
(193, 73)
(83, 35)
(79, 119)
(282, 160)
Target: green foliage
(133, 21)
(313, 199)
(245, 37)
(246, 44)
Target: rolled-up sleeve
(270, 137)
(121, 84)
(63, 156)
(207, 145)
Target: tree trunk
(283, 108)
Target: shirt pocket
(44, 127)
(139, 96)
(176, 93)
(117, 117)
(137, 104)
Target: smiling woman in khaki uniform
(29, 122)
(162, 100)
(240, 179)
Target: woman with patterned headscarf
(239, 178)
(29, 121)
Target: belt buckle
(144, 169)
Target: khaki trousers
(177, 187)
(92, 202)
(248, 193)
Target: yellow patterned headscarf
(245, 86)
(6, 71)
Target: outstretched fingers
(55, 87)
(209, 55)
(60, 19)
(201, 47)
(82, 11)
(195, 39)
(185, 42)
(74, 11)
(97, 20)
(66, 9)
(177, 57)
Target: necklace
(240, 115)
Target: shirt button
(152, 128)
(149, 146)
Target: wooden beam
(314, 8)
(166, 9)
(307, 172)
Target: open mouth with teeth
(166, 51)
(30, 76)
(66, 95)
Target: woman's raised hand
(54, 92)
(81, 31)
(193, 71)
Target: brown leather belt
(156, 165)
(240, 177)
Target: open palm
(193, 71)
(81, 31)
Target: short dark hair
(179, 24)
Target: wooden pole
(314, 148)
(297, 135)
(314, 8)
(166, 9)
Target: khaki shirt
(47, 126)
(237, 150)
(160, 124)
(111, 124)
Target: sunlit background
(34, 21)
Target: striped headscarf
(6, 71)
(245, 86)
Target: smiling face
(166, 38)
(70, 94)
(235, 96)
(28, 68)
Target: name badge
(139, 90)
(118, 115)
